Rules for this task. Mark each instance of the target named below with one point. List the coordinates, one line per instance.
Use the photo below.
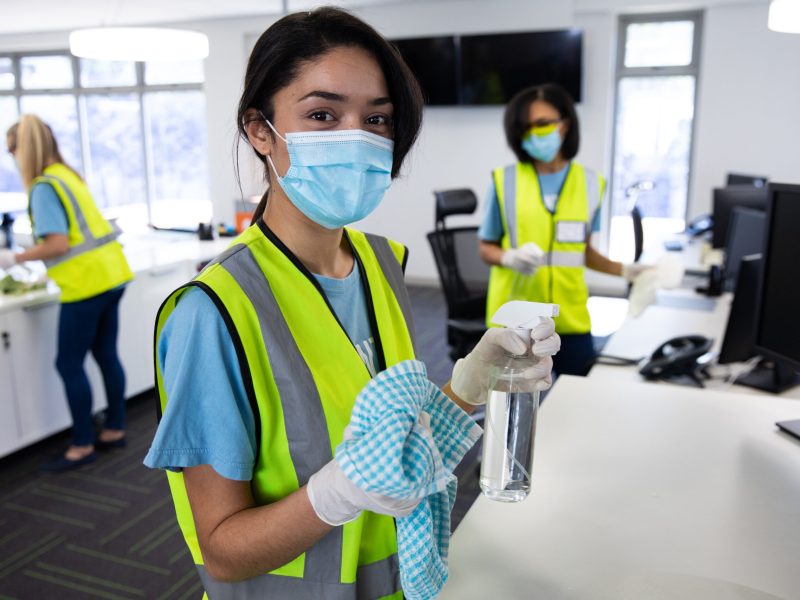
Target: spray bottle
(511, 409)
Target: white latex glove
(7, 258)
(632, 270)
(470, 380)
(337, 500)
(525, 259)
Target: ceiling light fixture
(151, 44)
(784, 16)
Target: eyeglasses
(543, 123)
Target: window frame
(78, 91)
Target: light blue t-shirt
(491, 229)
(208, 419)
(49, 215)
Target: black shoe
(62, 463)
(103, 445)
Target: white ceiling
(20, 16)
(23, 16)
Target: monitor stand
(770, 376)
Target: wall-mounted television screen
(495, 67)
(433, 61)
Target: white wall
(748, 114)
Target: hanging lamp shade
(151, 44)
(784, 16)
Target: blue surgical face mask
(336, 177)
(543, 148)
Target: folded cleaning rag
(390, 452)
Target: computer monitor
(728, 198)
(740, 334)
(745, 236)
(777, 318)
(759, 181)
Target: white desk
(642, 493)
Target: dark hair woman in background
(540, 214)
(261, 357)
(82, 256)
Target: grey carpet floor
(108, 530)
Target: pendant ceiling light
(149, 44)
(784, 16)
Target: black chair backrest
(454, 202)
(464, 276)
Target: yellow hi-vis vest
(562, 235)
(94, 262)
(302, 375)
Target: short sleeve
(208, 418)
(491, 229)
(48, 213)
(596, 221)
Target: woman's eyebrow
(333, 97)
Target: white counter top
(144, 252)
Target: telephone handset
(677, 359)
(699, 225)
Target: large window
(136, 131)
(656, 83)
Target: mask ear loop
(269, 158)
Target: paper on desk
(667, 275)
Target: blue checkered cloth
(388, 452)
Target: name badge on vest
(570, 232)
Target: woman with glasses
(82, 256)
(260, 359)
(540, 215)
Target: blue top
(48, 213)
(491, 229)
(208, 419)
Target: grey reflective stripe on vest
(372, 581)
(309, 448)
(393, 272)
(592, 193)
(89, 241)
(510, 203)
(561, 258)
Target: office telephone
(677, 360)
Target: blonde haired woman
(82, 256)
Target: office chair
(463, 275)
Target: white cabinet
(41, 401)
(9, 417)
(140, 303)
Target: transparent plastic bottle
(509, 431)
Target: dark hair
(516, 122)
(302, 37)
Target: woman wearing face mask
(539, 219)
(261, 357)
(82, 256)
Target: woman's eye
(321, 115)
(378, 120)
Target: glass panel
(6, 74)
(663, 44)
(651, 158)
(176, 126)
(46, 72)
(9, 175)
(61, 113)
(190, 71)
(107, 73)
(113, 128)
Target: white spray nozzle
(519, 314)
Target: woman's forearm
(52, 246)
(490, 253)
(598, 262)
(253, 540)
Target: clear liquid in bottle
(509, 432)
